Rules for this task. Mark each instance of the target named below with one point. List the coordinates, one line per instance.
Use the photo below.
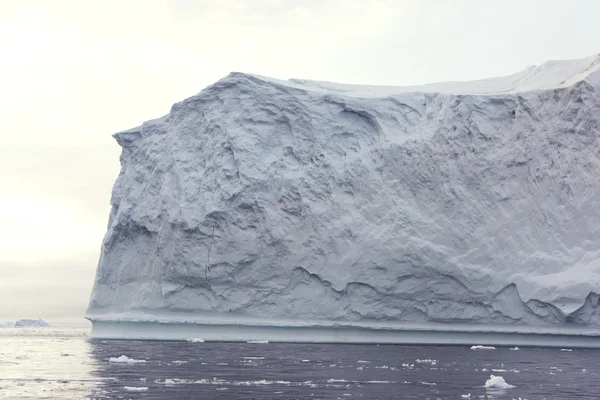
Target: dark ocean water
(65, 364)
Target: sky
(72, 73)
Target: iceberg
(263, 209)
(25, 323)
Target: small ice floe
(195, 340)
(125, 360)
(305, 361)
(178, 362)
(466, 396)
(382, 367)
(428, 383)
(426, 361)
(363, 362)
(566, 349)
(407, 365)
(135, 388)
(497, 382)
(253, 358)
(258, 341)
(480, 347)
(359, 368)
(174, 381)
(498, 370)
(336, 380)
(584, 370)
(514, 348)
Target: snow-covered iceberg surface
(327, 205)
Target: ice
(135, 388)
(195, 340)
(25, 323)
(497, 382)
(426, 361)
(514, 349)
(566, 350)
(352, 213)
(125, 360)
(466, 396)
(258, 341)
(480, 347)
(178, 362)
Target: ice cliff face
(457, 202)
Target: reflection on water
(64, 364)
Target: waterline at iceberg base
(223, 329)
(361, 213)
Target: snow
(497, 382)
(480, 347)
(135, 388)
(125, 360)
(325, 204)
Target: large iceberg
(461, 206)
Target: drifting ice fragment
(497, 382)
(125, 360)
(480, 347)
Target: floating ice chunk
(195, 340)
(253, 358)
(514, 348)
(258, 341)
(428, 383)
(498, 370)
(135, 388)
(566, 350)
(466, 396)
(125, 360)
(305, 360)
(363, 362)
(336, 380)
(480, 347)
(497, 382)
(426, 361)
(178, 362)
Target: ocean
(64, 363)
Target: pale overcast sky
(74, 72)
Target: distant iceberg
(25, 323)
